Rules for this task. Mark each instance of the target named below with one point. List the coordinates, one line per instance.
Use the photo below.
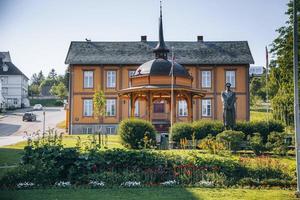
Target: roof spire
(161, 50)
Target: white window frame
(231, 77)
(87, 130)
(88, 79)
(110, 130)
(5, 90)
(111, 77)
(4, 79)
(88, 107)
(206, 79)
(206, 107)
(111, 106)
(182, 108)
(130, 73)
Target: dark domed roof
(162, 67)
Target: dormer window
(5, 68)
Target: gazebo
(156, 81)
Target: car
(29, 116)
(37, 107)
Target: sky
(37, 33)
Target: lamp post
(296, 97)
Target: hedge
(137, 133)
(203, 128)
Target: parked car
(29, 116)
(37, 107)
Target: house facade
(135, 85)
(14, 83)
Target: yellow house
(136, 80)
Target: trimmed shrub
(256, 144)
(232, 139)
(262, 127)
(277, 144)
(137, 134)
(203, 128)
(181, 131)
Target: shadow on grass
(154, 193)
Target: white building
(256, 70)
(14, 83)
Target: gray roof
(161, 66)
(5, 56)
(11, 68)
(206, 52)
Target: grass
(259, 115)
(11, 154)
(154, 193)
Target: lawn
(153, 193)
(260, 115)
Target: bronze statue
(228, 99)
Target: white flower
(25, 185)
(205, 183)
(169, 183)
(97, 183)
(131, 184)
(63, 184)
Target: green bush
(203, 128)
(256, 144)
(262, 127)
(181, 131)
(276, 143)
(231, 139)
(137, 134)
(211, 145)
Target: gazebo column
(174, 107)
(190, 108)
(132, 105)
(149, 105)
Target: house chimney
(200, 38)
(144, 38)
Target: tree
(33, 90)
(52, 74)
(59, 90)
(281, 74)
(37, 79)
(99, 102)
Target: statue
(228, 99)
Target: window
(87, 107)
(87, 130)
(206, 107)
(206, 79)
(110, 107)
(110, 130)
(88, 79)
(15, 101)
(4, 90)
(4, 79)
(130, 74)
(182, 108)
(230, 78)
(159, 107)
(111, 79)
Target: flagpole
(172, 96)
(296, 97)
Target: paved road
(12, 127)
